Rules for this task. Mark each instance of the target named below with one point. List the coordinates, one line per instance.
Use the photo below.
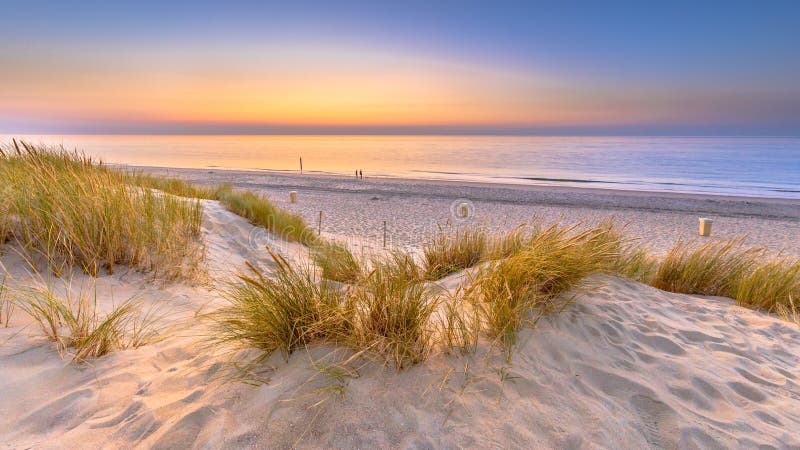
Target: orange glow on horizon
(309, 87)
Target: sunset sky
(726, 68)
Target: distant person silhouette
(361, 174)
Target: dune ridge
(625, 365)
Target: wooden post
(301, 165)
(319, 224)
(384, 234)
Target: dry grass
(393, 310)
(69, 210)
(386, 312)
(713, 268)
(553, 261)
(74, 323)
(6, 305)
(459, 325)
(728, 269)
(453, 250)
(257, 209)
(337, 262)
(772, 286)
(285, 311)
(503, 245)
(172, 186)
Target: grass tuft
(554, 260)
(337, 262)
(713, 268)
(261, 212)
(772, 286)
(393, 310)
(71, 210)
(284, 311)
(74, 323)
(448, 252)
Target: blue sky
(517, 67)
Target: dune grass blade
(713, 268)
(70, 210)
(503, 245)
(449, 252)
(261, 212)
(459, 326)
(74, 323)
(636, 263)
(284, 311)
(254, 207)
(337, 262)
(790, 311)
(772, 286)
(393, 311)
(553, 261)
(172, 186)
(6, 304)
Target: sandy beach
(399, 225)
(625, 366)
(354, 210)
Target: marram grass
(393, 309)
(451, 251)
(283, 311)
(728, 269)
(75, 325)
(772, 285)
(390, 309)
(553, 261)
(66, 209)
(337, 262)
(6, 304)
(257, 209)
(709, 269)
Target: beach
(624, 366)
(397, 225)
(619, 364)
(354, 210)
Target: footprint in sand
(747, 391)
(185, 431)
(660, 426)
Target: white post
(464, 211)
(705, 226)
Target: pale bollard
(293, 197)
(464, 211)
(705, 226)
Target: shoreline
(354, 210)
(330, 176)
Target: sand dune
(625, 366)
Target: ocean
(760, 167)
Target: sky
(597, 68)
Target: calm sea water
(764, 167)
